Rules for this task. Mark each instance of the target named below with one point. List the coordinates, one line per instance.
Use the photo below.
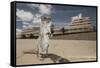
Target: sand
(67, 50)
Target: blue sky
(61, 14)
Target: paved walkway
(62, 50)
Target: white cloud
(29, 25)
(24, 26)
(34, 5)
(18, 30)
(24, 15)
(25, 23)
(37, 19)
(45, 9)
(42, 10)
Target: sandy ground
(67, 50)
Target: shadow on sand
(53, 57)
